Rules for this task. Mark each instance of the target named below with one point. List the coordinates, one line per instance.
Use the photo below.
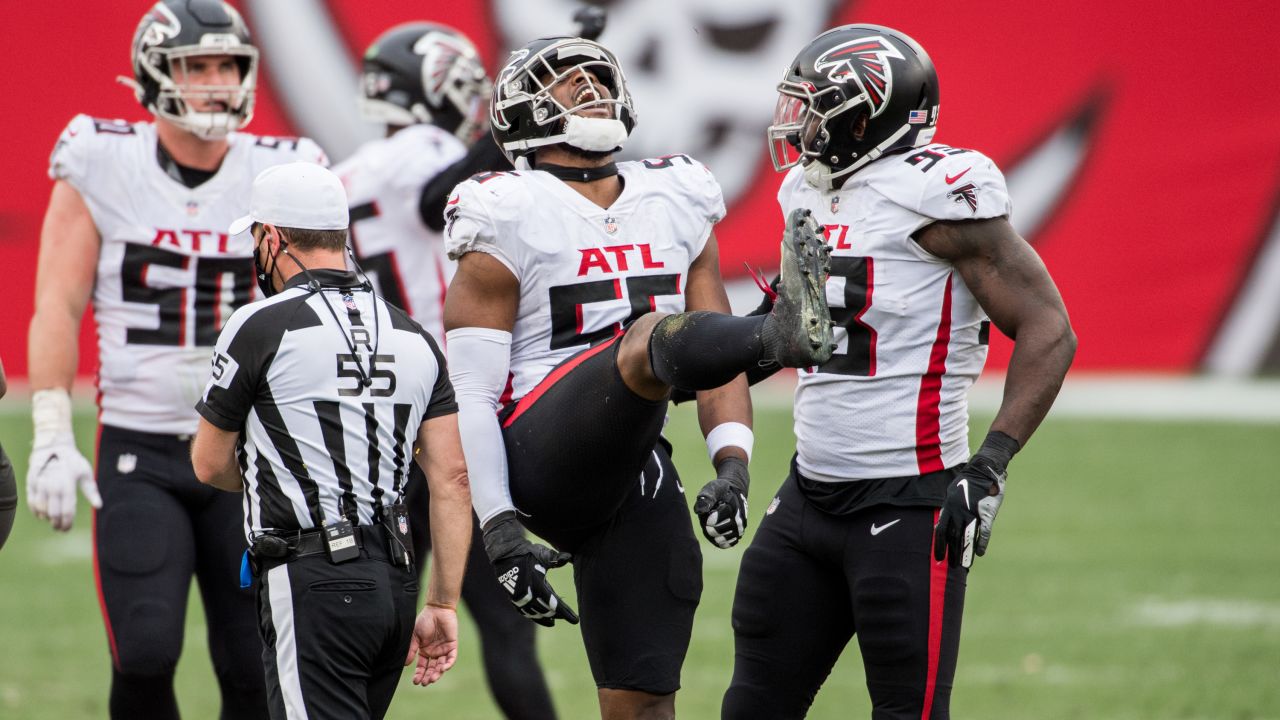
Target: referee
(320, 396)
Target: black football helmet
(425, 73)
(841, 76)
(173, 31)
(524, 116)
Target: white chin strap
(594, 134)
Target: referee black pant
(335, 636)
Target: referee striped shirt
(317, 444)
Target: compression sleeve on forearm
(479, 359)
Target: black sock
(703, 350)
(143, 696)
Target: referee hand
(521, 567)
(434, 643)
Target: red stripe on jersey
(937, 601)
(507, 391)
(554, 376)
(928, 443)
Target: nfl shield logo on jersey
(610, 225)
(193, 208)
(773, 505)
(349, 302)
(835, 204)
(126, 463)
(403, 521)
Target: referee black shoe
(797, 333)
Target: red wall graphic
(1140, 139)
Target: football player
(137, 223)
(426, 83)
(8, 484)
(573, 280)
(877, 524)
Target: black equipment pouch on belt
(399, 541)
(340, 541)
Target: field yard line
(1085, 395)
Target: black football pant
(335, 637)
(810, 581)
(589, 475)
(157, 528)
(506, 637)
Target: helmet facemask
(174, 101)
(529, 81)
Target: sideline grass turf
(1133, 573)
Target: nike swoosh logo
(877, 529)
(950, 180)
(964, 485)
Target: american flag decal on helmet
(967, 193)
(865, 62)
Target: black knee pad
(883, 607)
(133, 538)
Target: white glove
(57, 466)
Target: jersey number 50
(221, 285)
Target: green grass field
(1134, 573)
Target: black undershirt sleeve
(483, 156)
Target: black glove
(721, 506)
(521, 567)
(964, 525)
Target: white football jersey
(168, 275)
(892, 401)
(585, 271)
(403, 257)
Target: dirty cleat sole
(801, 334)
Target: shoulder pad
(280, 149)
(695, 181)
(476, 211)
(946, 183)
(73, 151)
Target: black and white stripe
(317, 445)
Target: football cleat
(797, 333)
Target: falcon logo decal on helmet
(864, 61)
(967, 193)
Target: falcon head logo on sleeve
(968, 194)
(865, 62)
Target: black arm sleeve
(484, 155)
(754, 374)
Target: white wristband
(50, 414)
(730, 434)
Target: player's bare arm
(1013, 286)
(64, 282)
(65, 273)
(213, 457)
(483, 294)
